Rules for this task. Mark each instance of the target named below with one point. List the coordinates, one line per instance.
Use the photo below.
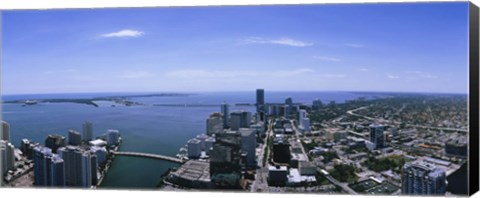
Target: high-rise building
(288, 106)
(226, 114)
(87, 133)
(54, 142)
(194, 148)
(74, 137)
(249, 144)
(112, 136)
(240, 119)
(214, 123)
(49, 169)
(5, 133)
(422, 178)
(376, 135)
(226, 160)
(80, 166)
(7, 156)
(317, 104)
(260, 104)
(26, 146)
(281, 151)
(101, 154)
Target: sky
(406, 47)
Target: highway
(148, 155)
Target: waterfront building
(192, 174)
(249, 144)
(49, 169)
(101, 153)
(376, 135)
(26, 146)
(226, 114)
(74, 137)
(87, 133)
(194, 148)
(240, 119)
(226, 160)
(80, 166)
(112, 136)
(54, 142)
(214, 123)
(260, 103)
(422, 178)
(5, 133)
(7, 156)
(208, 144)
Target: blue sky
(409, 47)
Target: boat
(31, 102)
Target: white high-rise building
(112, 136)
(422, 178)
(240, 119)
(194, 148)
(101, 153)
(7, 156)
(80, 166)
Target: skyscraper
(288, 106)
(54, 142)
(5, 135)
(376, 135)
(112, 136)
(74, 138)
(87, 133)
(214, 123)
(226, 114)
(421, 178)
(225, 160)
(249, 144)
(7, 156)
(240, 119)
(49, 169)
(260, 100)
(80, 166)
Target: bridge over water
(149, 155)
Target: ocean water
(151, 129)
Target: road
(261, 175)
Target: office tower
(54, 142)
(303, 121)
(240, 119)
(226, 159)
(317, 104)
(74, 138)
(112, 136)
(7, 156)
(194, 148)
(281, 151)
(214, 123)
(80, 166)
(457, 147)
(306, 124)
(249, 144)
(87, 133)
(421, 178)
(288, 106)
(26, 146)
(5, 135)
(49, 168)
(376, 135)
(260, 104)
(226, 114)
(208, 145)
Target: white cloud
(363, 69)
(123, 34)
(327, 58)
(392, 76)
(228, 74)
(355, 45)
(281, 41)
(136, 74)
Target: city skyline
(356, 47)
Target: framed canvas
(323, 98)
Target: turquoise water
(151, 129)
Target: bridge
(149, 155)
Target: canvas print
(360, 99)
